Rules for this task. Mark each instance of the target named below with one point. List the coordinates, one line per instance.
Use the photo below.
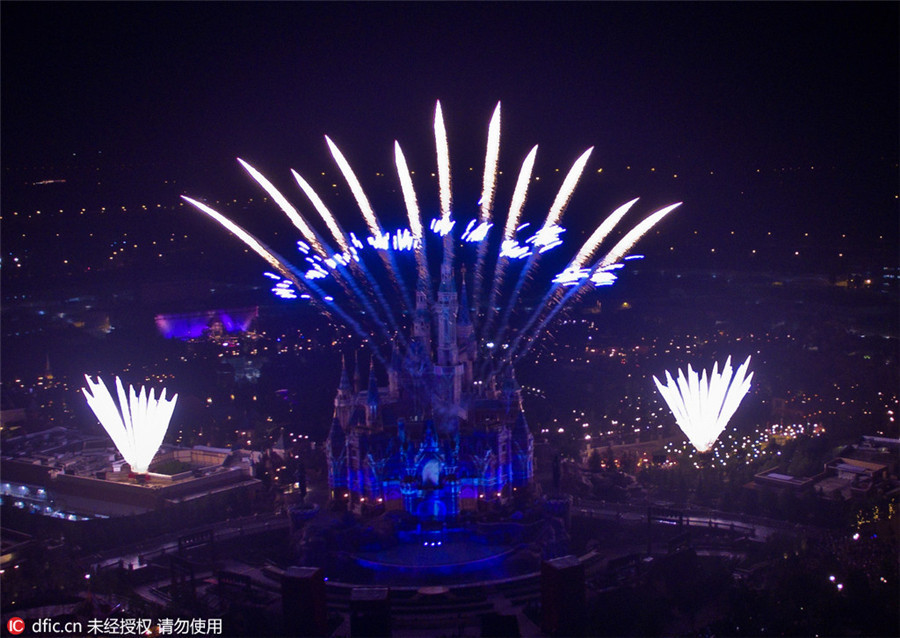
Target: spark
(489, 182)
(251, 241)
(476, 233)
(703, 405)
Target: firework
(703, 405)
(137, 425)
(378, 318)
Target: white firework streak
(492, 155)
(565, 191)
(520, 194)
(287, 207)
(257, 246)
(605, 228)
(309, 233)
(354, 267)
(443, 162)
(553, 216)
(415, 220)
(443, 167)
(137, 425)
(283, 266)
(356, 188)
(336, 231)
(530, 335)
(349, 269)
(703, 406)
(630, 239)
(372, 221)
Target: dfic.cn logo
(15, 625)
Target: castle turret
(373, 399)
(465, 337)
(448, 371)
(343, 400)
(511, 393)
(447, 311)
(422, 319)
(396, 366)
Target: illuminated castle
(434, 441)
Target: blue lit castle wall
(433, 442)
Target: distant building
(89, 482)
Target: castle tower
(465, 337)
(422, 319)
(343, 401)
(447, 311)
(448, 372)
(396, 365)
(373, 399)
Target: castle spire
(345, 378)
(464, 318)
(373, 399)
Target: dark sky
(698, 86)
(761, 82)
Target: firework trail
(492, 155)
(600, 233)
(443, 165)
(318, 297)
(415, 221)
(609, 260)
(336, 231)
(286, 206)
(361, 289)
(356, 267)
(346, 281)
(371, 220)
(545, 238)
(512, 222)
(574, 273)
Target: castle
(437, 439)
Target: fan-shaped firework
(703, 407)
(137, 425)
(372, 297)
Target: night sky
(690, 88)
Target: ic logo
(15, 625)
